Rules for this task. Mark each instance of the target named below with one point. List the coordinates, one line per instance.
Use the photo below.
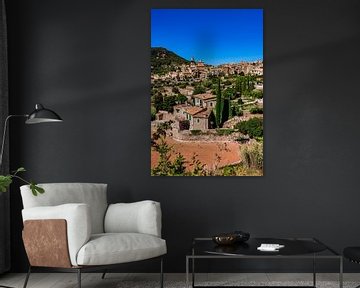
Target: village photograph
(207, 92)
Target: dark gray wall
(89, 60)
(4, 166)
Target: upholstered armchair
(71, 228)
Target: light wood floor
(68, 280)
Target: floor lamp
(39, 115)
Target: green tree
(169, 103)
(227, 83)
(199, 89)
(175, 90)
(158, 101)
(225, 110)
(165, 166)
(252, 83)
(253, 127)
(178, 166)
(153, 113)
(229, 92)
(207, 84)
(256, 94)
(212, 120)
(238, 86)
(256, 110)
(181, 99)
(218, 106)
(236, 110)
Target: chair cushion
(352, 253)
(138, 217)
(114, 248)
(55, 194)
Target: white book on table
(270, 247)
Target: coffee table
(294, 248)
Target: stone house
(199, 117)
(205, 100)
(202, 120)
(163, 116)
(179, 111)
(190, 114)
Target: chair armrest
(138, 217)
(78, 223)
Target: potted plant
(6, 180)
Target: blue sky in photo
(215, 36)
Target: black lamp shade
(42, 115)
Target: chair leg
(161, 272)
(103, 275)
(79, 277)
(27, 277)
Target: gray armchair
(72, 228)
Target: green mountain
(163, 60)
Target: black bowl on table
(231, 238)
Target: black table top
(205, 246)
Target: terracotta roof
(194, 110)
(203, 114)
(205, 96)
(181, 106)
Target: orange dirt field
(208, 153)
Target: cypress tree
(225, 110)
(252, 79)
(218, 107)
(238, 85)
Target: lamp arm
(4, 134)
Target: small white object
(270, 247)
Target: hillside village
(199, 70)
(206, 120)
(187, 92)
